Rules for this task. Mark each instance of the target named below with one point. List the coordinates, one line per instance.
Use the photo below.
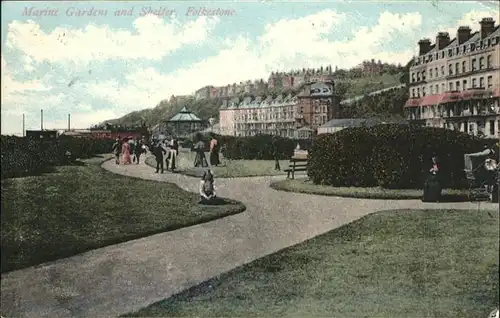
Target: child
(207, 188)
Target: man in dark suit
(159, 151)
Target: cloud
(152, 38)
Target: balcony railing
(469, 73)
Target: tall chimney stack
(24, 126)
(463, 34)
(487, 27)
(41, 119)
(69, 122)
(424, 46)
(442, 40)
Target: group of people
(200, 160)
(166, 153)
(129, 150)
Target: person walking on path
(117, 146)
(174, 151)
(159, 152)
(137, 150)
(200, 159)
(275, 150)
(214, 152)
(126, 152)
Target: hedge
(23, 156)
(259, 147)
(390, 156)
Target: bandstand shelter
(184, 124)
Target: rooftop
(185, 115)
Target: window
(488, 61)
(442, 70)
(465, 84)
(431, 89)
(442, 54)
(481, 62)
(443, 87)
(423, 75)
(450, 69)
(423, 91)
(490, 81)
(430, 73)
(473, 66)
(451, 86)
(418, 76)
(464, 67)
(436, 72)
(481, 82)
(412, 77)
(492, 127)
(457, 68)
(473, 83)
(418, 92)
(413, 93)
(437, 89)
(457, 85)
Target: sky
(101, 60)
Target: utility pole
(24, 125)
(69, 122)
(41, 119)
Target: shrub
(259, 147)
(26, 156)
(391, 156)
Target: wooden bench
(297, 163)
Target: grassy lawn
(305, 186)
(229, 168)
(79, 208)
(433, 263)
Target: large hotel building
(292, 115)
(455, 83)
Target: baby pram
(482, 174)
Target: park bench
(297, 163)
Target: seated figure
(207, 188)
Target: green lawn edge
(239, 207)
(301, 186)
(239, 290)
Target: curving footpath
(126, 277)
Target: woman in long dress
(126, 152)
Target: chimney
(487, 27)
(442, 40)
(69, 122)
(41, 119)
(424, 46)
(463, 34)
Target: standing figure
(117, 147)
(174, 151)
(200, 159)
(214, 152)
(275, 149)
(432, 186)
(138, 150)
(159, 152)
(126, 152)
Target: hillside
(347, 87)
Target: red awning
(413, 102)
(432, 100)
(449, 97)
(476, 94)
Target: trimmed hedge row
(22, 156)
(390, 156)
(259, 147)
